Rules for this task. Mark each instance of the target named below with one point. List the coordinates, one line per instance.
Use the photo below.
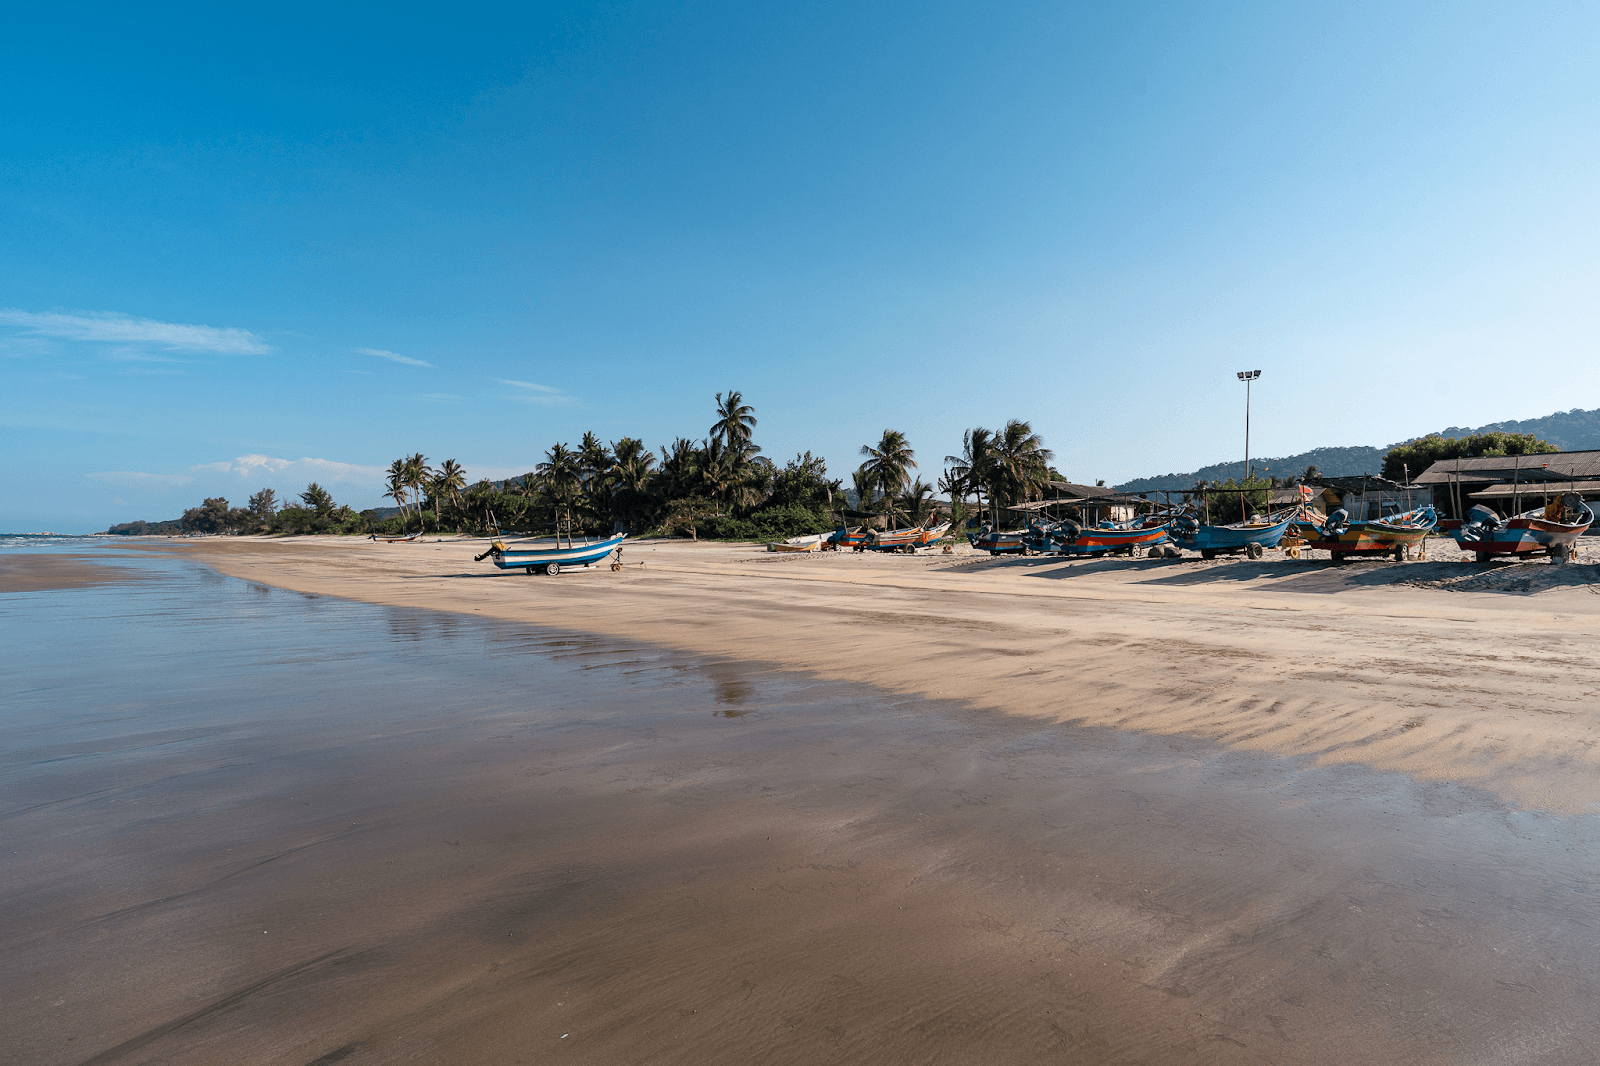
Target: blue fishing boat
(551, 559)
(1067, 537)
(1252, 538)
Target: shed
(1507, 480)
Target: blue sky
(262, 248)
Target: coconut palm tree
(735, 424)
(679, 475)
(918, 502)
(398, 488)
(970, 471)
(417, 473)
(866, 487)
(634, 463)
(452, 479)
(1021, 463)
(889, 462)
(562, 475)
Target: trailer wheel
(529, 569)
(1560, 552)
(1292, 551)
(1254, 551)
(1208, 553)
(1399, 553)
(1483, 557)
(615, 567)
(552, 569)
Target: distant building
(1510, 484)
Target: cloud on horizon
(112, 327)
(314, 469)
(395, 357)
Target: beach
(318, 801)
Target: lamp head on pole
(1249, 375)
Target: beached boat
(843, 537)
(552, 558)
(797, 544)
(1550, 530)
(904, 540)
(998, 541)
(394, 540)
(1252, 538)
(1395, 535)
(1108, 538)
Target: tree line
(720, 487)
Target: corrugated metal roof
(1537, 490)
(1552, 466)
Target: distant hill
(1336, 462)
(1571, 431)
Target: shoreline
(1292, 659)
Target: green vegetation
(1232, 501)
(1413, 457)
(719, 487)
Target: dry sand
(1442, 669)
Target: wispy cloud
(140, 479)
(543, 395)
(246, 466)
(112, 327)
(394, 357)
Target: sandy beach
(1442, 669)
(371, 803)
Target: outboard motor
(1069, 530)
(1480, 523)
(1186, 525)
(1337, 523)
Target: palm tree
(452, 479)
(918, 502)
(679, 475)
(1021, 463)
(417, 473)
(734, 424)
(866, 487)
(397, 485)
(889, 462)
(970, 472)
(562, 475)
(634, 463)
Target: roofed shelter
(1510, 483)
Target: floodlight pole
(1247, 376)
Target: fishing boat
(998, 541)
(904, 540)
(1394, 535)
(1108, 538)
(844, 537)
(1550, 530)
(551, 559)
(1253, 538)
(797, 544)
(394, 540)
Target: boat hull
(1101, 541)
(1526, 534)
(537, 558)
(906, 540)
(998, 542)
(1376, 537)
(1228, 539)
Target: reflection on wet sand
(275, 829)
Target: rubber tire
(1208, 553)
(552, 569)
(1483, 557)
(1254, 551)
(1400, 553)
(1339, 558)
(615, 567)
(529, 569)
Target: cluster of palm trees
(721, 482)
(1006, 466)
(412, 480)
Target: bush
(772, 523)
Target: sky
(246, 248)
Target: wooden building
(1510, 484)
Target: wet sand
(1358, 664)
(43, 571)
(266, 827)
